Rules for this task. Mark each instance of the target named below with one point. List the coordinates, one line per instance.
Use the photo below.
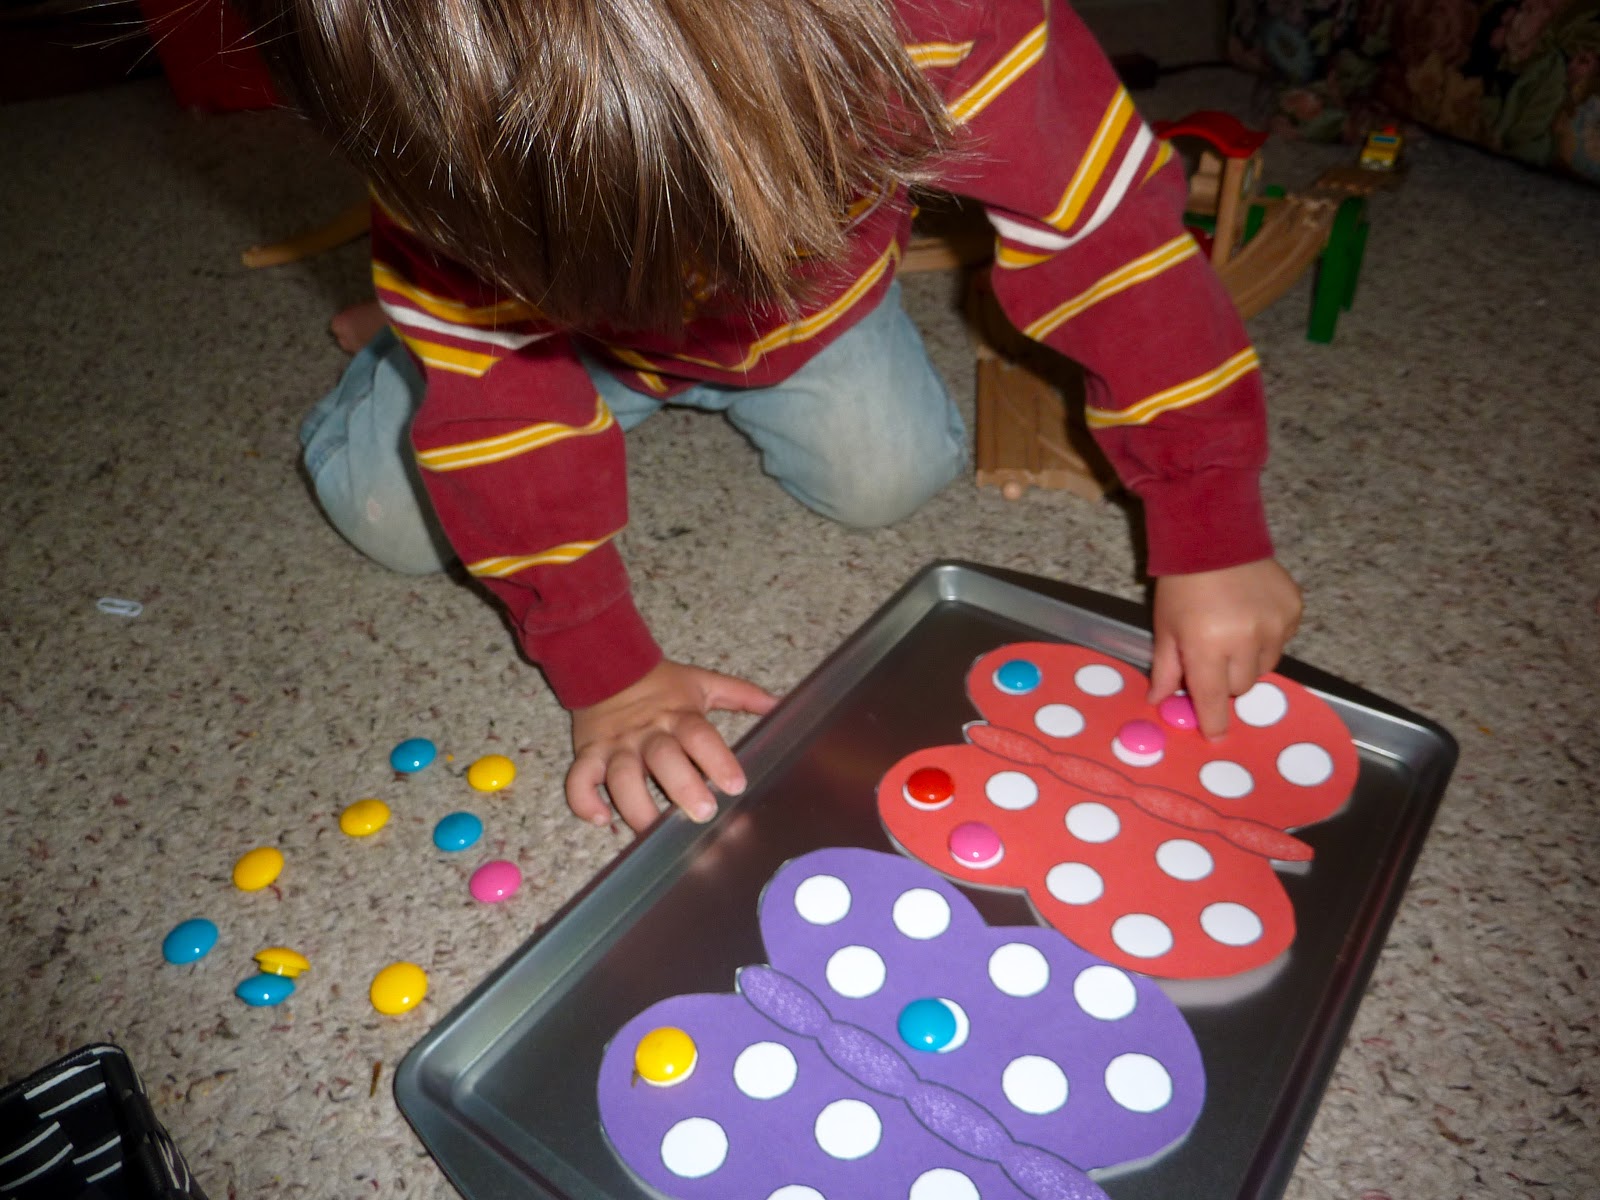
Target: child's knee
(876, 495)
(381, 512)
(358, 458)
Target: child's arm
(525, 468)
(1093, 260)
(526, 471)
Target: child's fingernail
(735, 786)
(600, 820)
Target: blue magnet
(457, 831)
(412, 755)
(927, 1024)
(190, 941)
(263, 991)
(1019, 676)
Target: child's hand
(658, 729)
(1217, 632)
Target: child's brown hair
(600, 158)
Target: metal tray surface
(502, 1090)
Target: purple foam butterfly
(899, 1047)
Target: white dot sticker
(1098, 679)
(963, 1026)
(1019, 969)
(856, 971)
(1227, 780)
(1132, 757)
(1074, 883)
(1034, 1084)
(822, 900)
(765, 1070)
(848, 1129)
(694, 1147)
(1141, 935)
(1182, 859)
(1263, 705)
(1306, 764)
(1011, 790)
(797, 1191)
(921, 913)
(1231, 924)
(1093, 822)
(943, 1183)
(1139, 1083)
(1058, 720)
(1104, 992)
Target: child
(587, 208)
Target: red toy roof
(1228, 135)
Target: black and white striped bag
(82, 1129)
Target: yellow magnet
(257, 869)
(665, 1056)
(280, 960)
(398, 988)
(491, 773)
(364, 817)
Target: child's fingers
(588, 772)
(679, 778)
(629, 791)
(1271, 652)
(1206, 681)
(728, 693)
(1166, 669)
(1244, 669)
(711, 755)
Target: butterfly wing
(1131, 833)
(1069, 1053)
(765, 1115)
(1123, 885)
(1287, 759)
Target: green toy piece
(1338, 269)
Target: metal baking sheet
(502, 1091)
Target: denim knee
(357, 453)
(872, 494)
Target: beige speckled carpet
(1435, 487)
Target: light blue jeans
(864, 433)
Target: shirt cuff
(1205, 522)
(585, 664)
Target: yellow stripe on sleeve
(999, 77)
(939, 54)
(1184, 395)
(450, 358)
(1139, 270)
(499, 313)
(504, 566)
(1162, 155)
(509, 445)
(1092, 166)
(1009, 257)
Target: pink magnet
(974, 844)
(1145, 737)
(494, 881)
(1178, 711)
(1139, 743)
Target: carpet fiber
(1433, 488)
